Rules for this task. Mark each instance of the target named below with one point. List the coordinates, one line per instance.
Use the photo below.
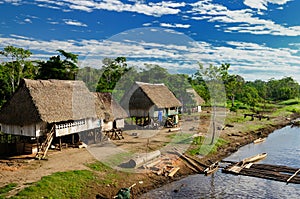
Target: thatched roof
(159, 94)
(49, 101)
(143, 95)
(107, 108)
(198, 100)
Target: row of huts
(67, 110)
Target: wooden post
(60, 144)
(37, 144)
(73, 139)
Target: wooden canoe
(259, 140)
(254, 158)
(246, 163)
(211, 169)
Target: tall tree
(56, 68)
(16, 63)
(113, 70)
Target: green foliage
(290, 102)
(113, 70)
(59, 185)
(90, 76)
(56, 68)
(13, 70)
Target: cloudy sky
(259, 38)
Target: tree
(233, 85)
(56, 68)
(113, 70)
(250, 96)
(16, 65)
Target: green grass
(99, 166)
(111, 175)
(204, 149)
(61, 185)
(7, 188)
(181, 138)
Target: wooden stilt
(73, 142)
(60, 145)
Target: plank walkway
(271, 172)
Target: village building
(110, 113)
(43, 110)
(197, 101)
(148, 103)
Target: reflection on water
(283, 148)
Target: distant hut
(195, 106)
(146, 102)
(47, 109)
(112, 115)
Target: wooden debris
(173, 171)
(190, 161)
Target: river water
(283, 148)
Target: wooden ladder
(45, 145)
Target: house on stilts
(111, 114)
(147, 103)
(197, 101)
(42, 111)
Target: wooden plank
(293, 176)
(173, 171)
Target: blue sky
(259, 38)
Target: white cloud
(251, 60)
(168, 25)
(152, 9)
(74, 23)
(14, 2)
(242, 21)
(263, 4)
(27, 20)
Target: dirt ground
(26, 170)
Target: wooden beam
(293, 176)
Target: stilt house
(150, 101)
(195, 106)
(112, 115)
(50, 108)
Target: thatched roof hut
(196, 98)
(143, 96)
(107, 108)
(48, 101)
